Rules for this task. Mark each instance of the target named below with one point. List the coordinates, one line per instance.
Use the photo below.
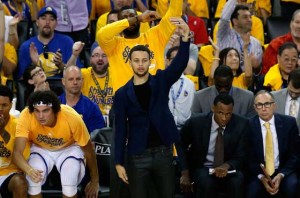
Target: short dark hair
(294, 78)
(44, 97)
(139, 48)
(112, 12)
(235, 13)
(223, 98)
(223, 56)
(125, 8)
(169, 52)
(27, 72)
(287, 45)
(6, 92)
(223, 71)
(263, 91)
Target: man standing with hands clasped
(143, 117)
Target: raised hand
(33, 54)
(77, 48)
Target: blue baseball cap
(94, 46)
(46, 10)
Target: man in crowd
(89, 111)
(117, 48)
(216, 144)
(223, 78)
(49, 50)
(59, 137)
(273, 155)
(143, 119)
(287, 99)
(235, 37)
(12, 181)
(270, 55)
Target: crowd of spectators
(87, 45)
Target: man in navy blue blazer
(144, 126)
(280, 179)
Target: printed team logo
(48, 65)
(152, 59)
(4, 155)
(49, 140)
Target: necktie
(219, 149)
(269, 151)
(293, 108)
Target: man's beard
(133, 32)
(46, 35)
(101, 71)
(140, 74)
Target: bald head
(72, 80)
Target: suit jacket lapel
(258, 139)
(206, 135)
(131, 93)
(282, 101)
(279, 131)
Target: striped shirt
(228, 37)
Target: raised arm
(215, 62)
(224, 24)
(247, 62)
(2, 31)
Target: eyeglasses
(292, 60)
(99, 55)
(266, 105)
(45, 53)
(39, 71)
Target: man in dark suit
(273, 143)
(200, 136)
(143, 117)
(223, 78)
(287, 99)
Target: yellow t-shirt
(240, 81)
(104, 98)
(3, 79)
(273, 78)
(257, 30)
(69, 129)
(117, 48)
(199, 7)
(99, 8)
(11, 54)
(6, 149)
(103, 18)
(206, 58)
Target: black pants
(209, 186)
(154, 170)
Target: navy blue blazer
(288, 140)
(195, 136)
(130, 115)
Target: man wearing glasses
(48, 49)
(277, 77)
(287, 99)
(273, 154)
